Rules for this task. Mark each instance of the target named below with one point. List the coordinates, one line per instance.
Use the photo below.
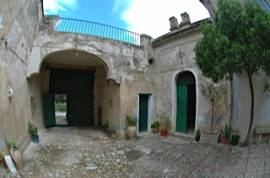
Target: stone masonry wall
(18, 25)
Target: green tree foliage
(236, 41)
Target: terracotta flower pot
(1, 163)
(16, 155)
(163, 133)
(155, 130)
(131, 132)
(224, 140)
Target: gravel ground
(88, 153)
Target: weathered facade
(159, 77)
(18, 29)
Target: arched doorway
(186, 102)
(78, 80)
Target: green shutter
(181, 116)
(143, 113)
(49, 111)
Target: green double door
(78, 85)
(182, 106)
(143, 112)
(49, 110)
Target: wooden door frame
(150, 104)
(174, 98)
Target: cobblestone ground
(85, 153)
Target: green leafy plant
(236, 42)
(59, 106)
(155, 125)
(105, 125)
(197, 135)
(131, 121)
(225, 132)
(12, 144)
(266, 87)
(32, 129)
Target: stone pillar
(145, 40)
(173, 23)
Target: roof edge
(178, 33)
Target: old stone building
(106, 79)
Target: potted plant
(15, 154)
(33, 132)
(1, 159)
(164, 127)
(132, 127)
(155, 127)
(234, 139)
(197, 135)
(224, 134)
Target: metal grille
(96, 29)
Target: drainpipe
(230, 103)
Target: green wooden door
(79, 87)
(49, 111)
(143, 113)
(79, 110)
(182, 101)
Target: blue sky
(142, 16)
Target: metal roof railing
(96, 29)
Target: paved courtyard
(86, 153)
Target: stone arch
(176, 79)
(76, 52)
(79, 66)
(38, 57)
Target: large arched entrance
(76, 90)
(186, 102)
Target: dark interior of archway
(191, 107)
(78, 86)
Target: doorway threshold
(189, 134)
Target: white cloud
(118, 4)
(152, 16)
(55, 6)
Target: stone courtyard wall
(26, 41)
(19, 22)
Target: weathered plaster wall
(241, 103)
(15, 43)
(119, 57)
(129, 93)
(107, 100)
